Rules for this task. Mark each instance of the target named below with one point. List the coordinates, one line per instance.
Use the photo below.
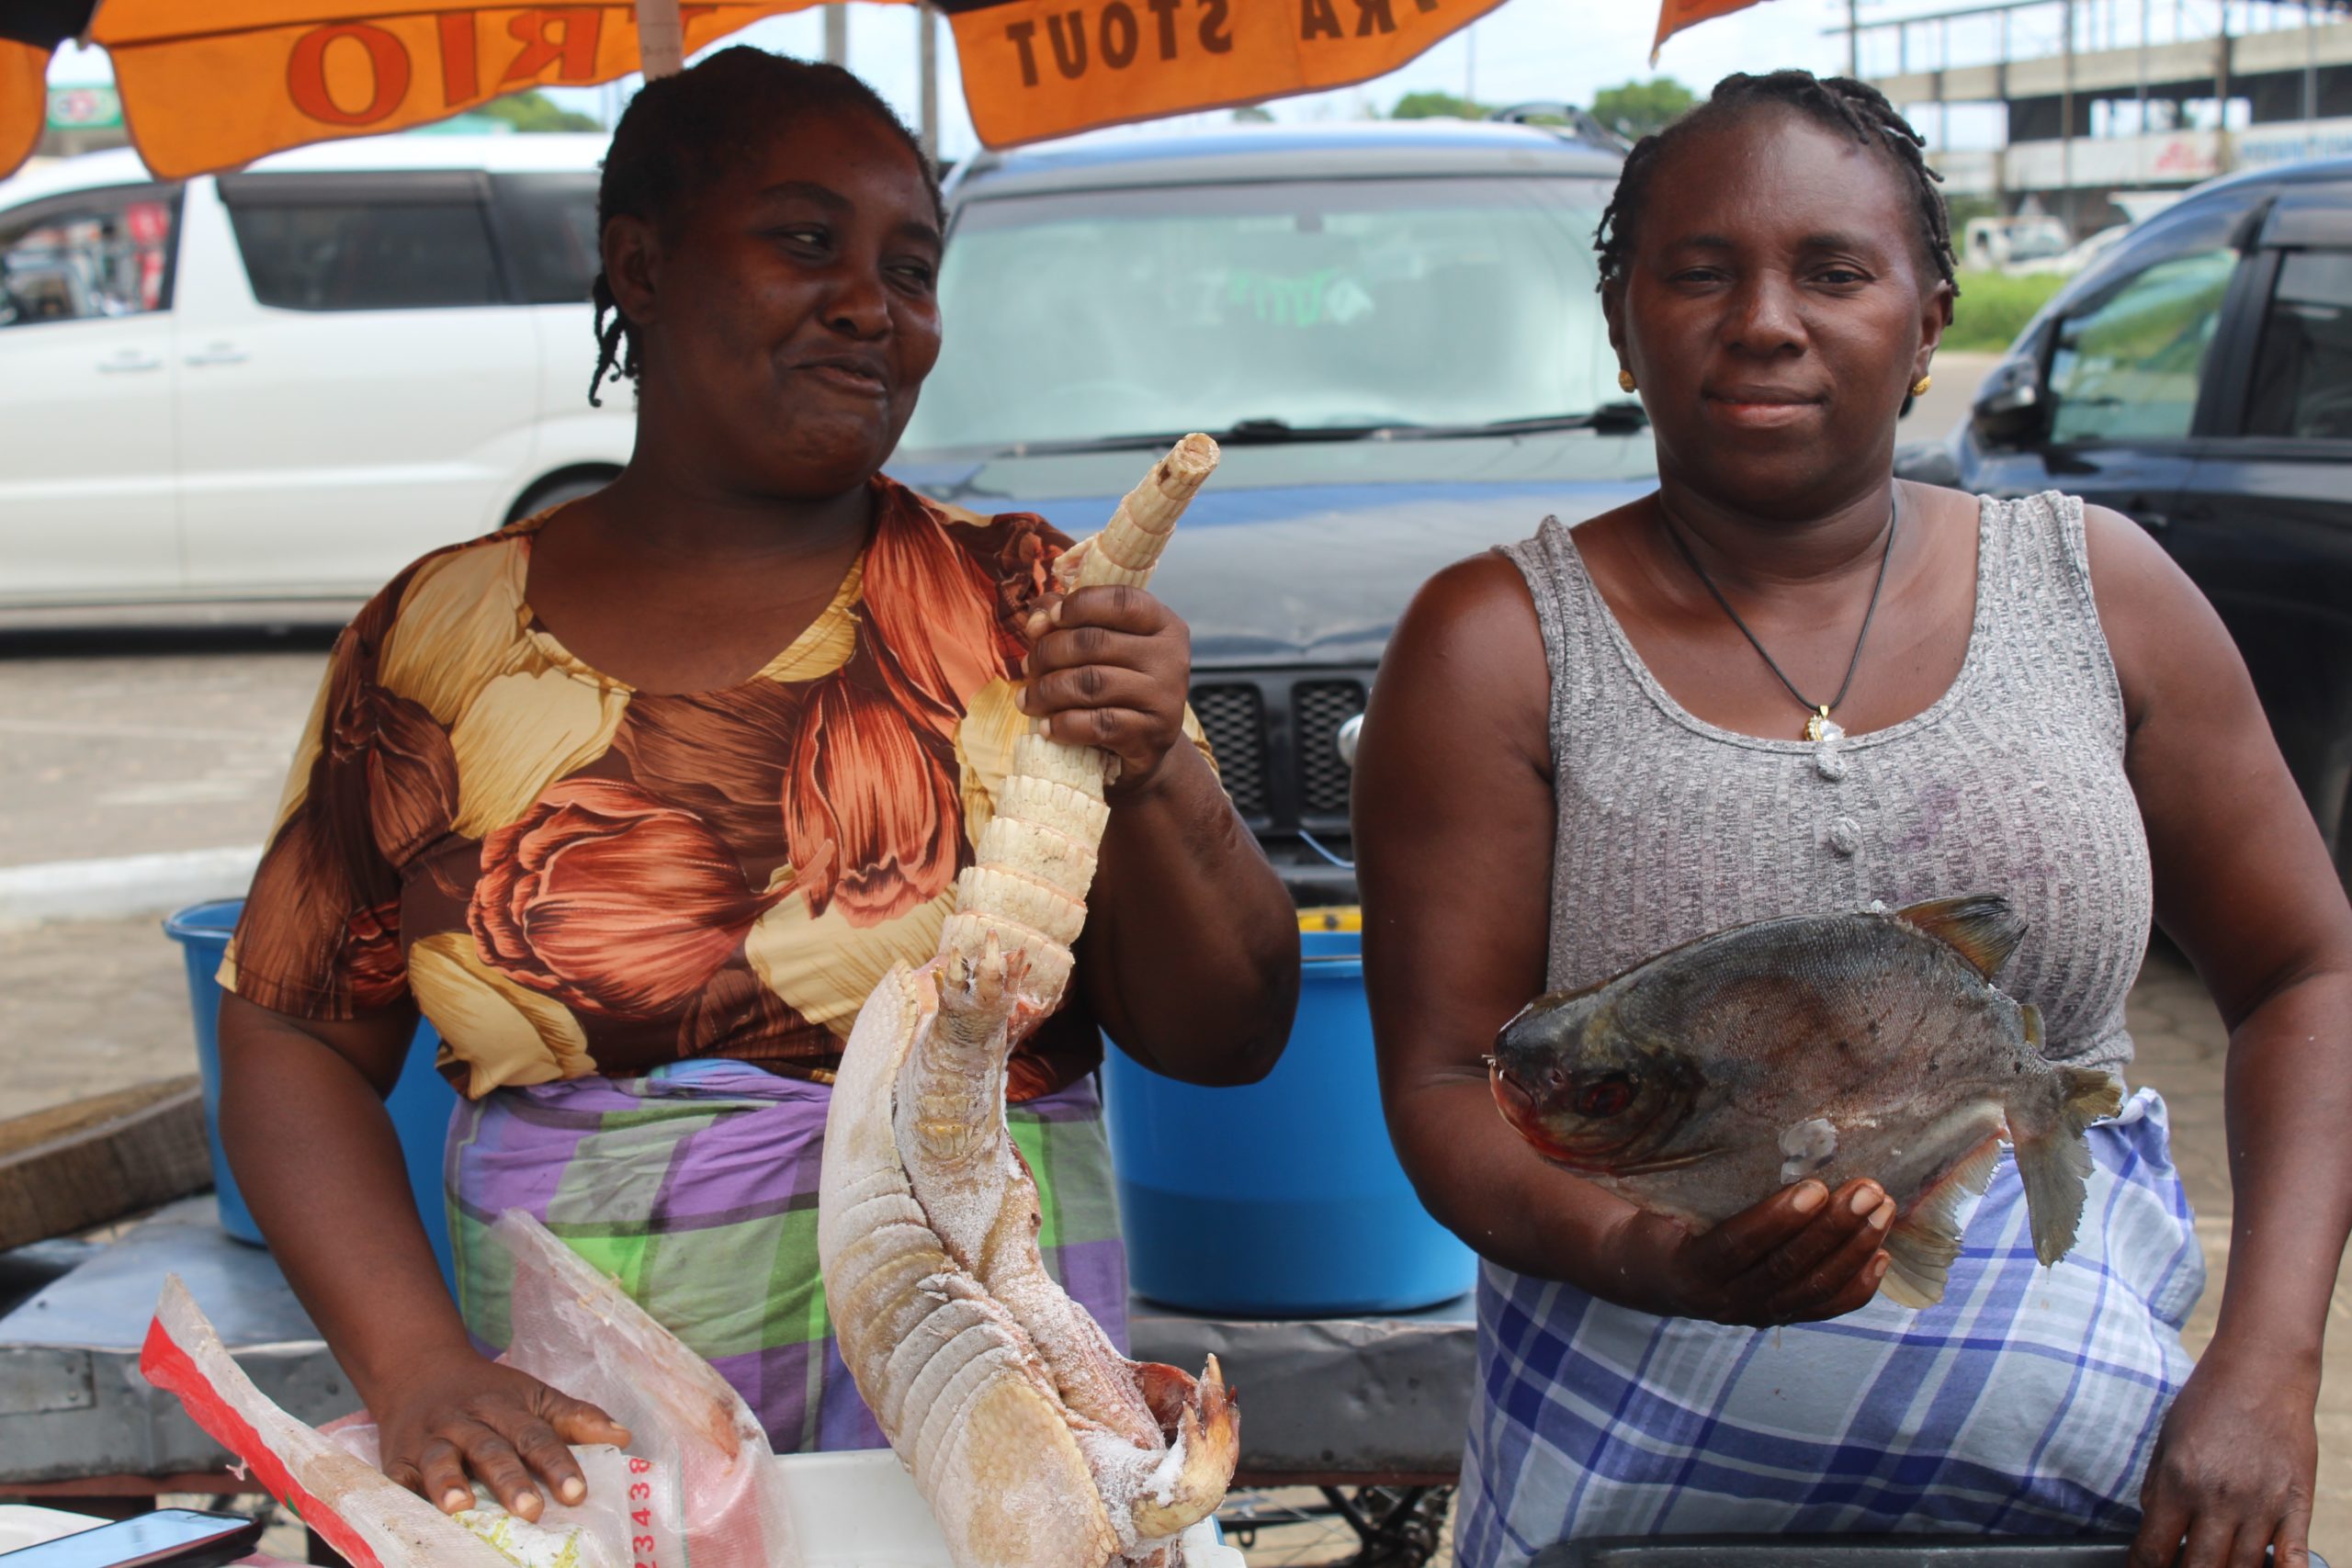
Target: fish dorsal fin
(1980, 927)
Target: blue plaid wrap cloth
(2026, 1402)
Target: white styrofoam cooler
(860, 1509)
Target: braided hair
(681, 133)
(1841, 103)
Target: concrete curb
(123, 886)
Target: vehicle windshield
(1295, 307)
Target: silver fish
(1837, 1046)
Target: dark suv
(1393, 330)
(2198, 377)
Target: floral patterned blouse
(570, 876)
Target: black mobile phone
(180, 1537)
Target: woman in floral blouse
(635, 800)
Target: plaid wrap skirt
(2026, 1402)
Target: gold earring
(1625, 380)
(1919, 388)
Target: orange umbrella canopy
(214, 85)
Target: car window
(357, 255)
(2129, 368)
(2302, 373)
(1090, 315)
(549, 235)
(102, 253)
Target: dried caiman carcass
(1036, 1444)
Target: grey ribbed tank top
(2012, 782)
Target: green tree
(1636, 108)
(1253, 114)
(532, 111)
(1436, 105)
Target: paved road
(124, 744)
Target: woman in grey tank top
(1599, 744)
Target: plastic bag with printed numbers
(700, 1484)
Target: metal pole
(2310, 66)
(1854, 38)
(1943, 68)
(927, 53)
(2143, 70)
(660, 39)
(2221, 93)
(837, 35)
(2066, 129)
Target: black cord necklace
(1817, 725)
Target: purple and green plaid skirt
(696, 1185)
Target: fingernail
(455, 1498)
(1037, 623)
(1055, 614)
(1044, 726)
(1878, 1268)
(1866, 1200)
(1883, 1215)
(1809, 1197)
(525, 1502)
(573, 1489)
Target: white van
(277, 386)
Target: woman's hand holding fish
(1804, 1254)
(2234, 1469)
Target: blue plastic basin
(1282, 1199)
(421, 1102)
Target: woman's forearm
(1482, 1183)
(320, 1166)
(2288, 1099)
(1191, 951)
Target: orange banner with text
(23, 101)
(1038, 68)
(220, 93)
(1673, 15)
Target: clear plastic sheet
(698, 1484)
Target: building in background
(2104, 99)
(85, 118)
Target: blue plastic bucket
(420, 1103)
(1282, 1198)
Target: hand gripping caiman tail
(1036, 1443)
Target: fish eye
(1605, 1096)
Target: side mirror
(2009, 410)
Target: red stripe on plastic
(170, 1367)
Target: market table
(1347, 1402)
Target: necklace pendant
(1821, 727)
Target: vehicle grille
(1277, 741)
(1318, 708)
(1235, 720)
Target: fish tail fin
(1921, 1246)
(2054, 1162)
(2029, 1019)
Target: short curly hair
(1841, 103)
(681, 133)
